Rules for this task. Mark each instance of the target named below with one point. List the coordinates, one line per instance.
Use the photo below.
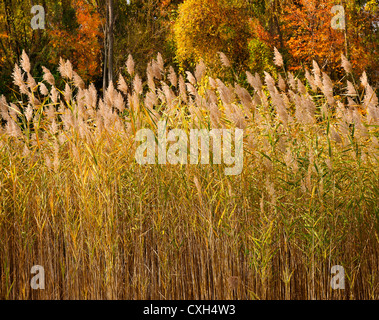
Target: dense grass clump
(74, 200)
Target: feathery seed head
(137, 84)
(43, 89)
(48, 77)
(121, 84)
(25, 62)
(172, 77)
(346, 64)
(200, 70)
(160, 62)
(224, 60)
(278, 59)
(78, 81)
(130, 65)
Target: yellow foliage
(205, 27)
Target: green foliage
(260, 57)
(69, 20)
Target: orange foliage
(309, 36)
(84, 45)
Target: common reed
(74, 200)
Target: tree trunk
(105, 58)
(110, 41)
(108, 45)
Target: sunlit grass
(74, 200)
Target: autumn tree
(72, 31)
(142, 30)
(77, 36)
(363, 36)
(308, 35)
(205, 27)
(16, 34)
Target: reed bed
(74, 200)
